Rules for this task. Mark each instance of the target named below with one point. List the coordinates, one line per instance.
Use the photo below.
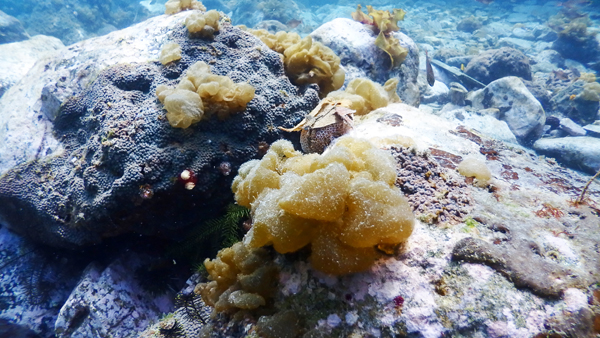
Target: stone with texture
(18, 57)
(354, 43)
(11, 29)
(497, 63)
(110, 302)
(571, 128)
(581, 152)
(518, 107)
(547, 61)
(116, 142)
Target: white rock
(18, 57)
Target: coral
(384, 23)
(202, 93)
(203, 24)
(343, 203)
(242, 278)
(311, 62)
(176, 6)
(169, 53)
(363, 95)
(471, 167)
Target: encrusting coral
(343, 203)
(201, 93)
(384, 23)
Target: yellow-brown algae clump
(176, 6)
(169, 53)
(203, 24)
(471, 167)
(344, 203)
(201, 93)
(363, 95)
(312, 62)
(241, 279)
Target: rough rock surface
(570, 103)
(110, 302)
(522, 263)
(34, 283)
(354, 43)
(581, 152)
(18, 57)
(120, 156)
(11, 30)
(497, 63)
(521, 111)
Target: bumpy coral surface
(343, 203)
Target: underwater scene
(299, 168)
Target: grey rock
(592, 130)
(436, 94)
(115, 138)
(34, 283)
(11, 29)
(547, 61)
(571, 103)
(519, 108)
(520, 44)
(582, 152)
(18, 57)
(111, 301)
(459, 60)
(469, 24)
(544, 33)
(497, 63)
(458, 94)
(523, 33)
(571, 128)
(354, 43)
(272, 26)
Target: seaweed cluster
(384, 23)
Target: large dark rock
(118, 145)
(497, 63)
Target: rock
(572, 103)
(18, 57)
(250, 12)
(593, 129)
(519, 108)
(497, 63)
(354, 43)
(459, 61)
(272, 26)
(11, 29)
(436, 94)
(445, 53)
(458, 94)
(538, 89)
(34, 283)
(544, 33)
(116, 143)
(522, 33)
(518, 18)
(112, 301)
(577, 45)
(519, 44)
(571, 128)
(455, 277)
(547, 61)
(469, 24)
(582, 152)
